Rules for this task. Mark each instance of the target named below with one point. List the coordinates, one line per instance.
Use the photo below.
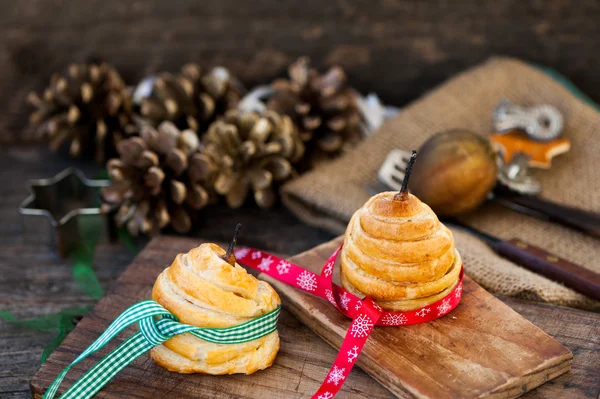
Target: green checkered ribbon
(153, 331)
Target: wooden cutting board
(481, 348)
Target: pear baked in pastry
(397, 252)
(204, 290)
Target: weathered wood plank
(307, 348)
(481, 349)
(579, 331)
(297, 372)
(34, 281)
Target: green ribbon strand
(152, 332)
(126, 239)
(84, 276)
(65, 326)
(44, 323)
(60, 322)
(83, 271)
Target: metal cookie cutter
(64, 211)
(542, 122)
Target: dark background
(398, 49)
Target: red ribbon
(365, 313)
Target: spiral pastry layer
(203, 290)
(397, 252)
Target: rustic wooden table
(35, 281)
(413, 45)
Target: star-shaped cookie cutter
(64, 211)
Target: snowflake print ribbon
(365, 313)
(265, 264)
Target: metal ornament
(255, 100)
(515, 175)
(143, 89)
(541, 122)
(372, 111)
(64, 211)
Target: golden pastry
(207, 288)
(397, 252)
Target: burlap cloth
(328, 196)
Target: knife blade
(539, 261)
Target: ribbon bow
(152, 332)
(365, 313)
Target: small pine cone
(252, 151)
(159, 179)
(322, 106)
(89, 108)
(191, 99)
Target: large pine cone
(322, 106)
(251, 151)
(89, 107)
(191, 99)
(159, 179)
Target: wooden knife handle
(551, 266)
(588, 222)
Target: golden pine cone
(191, 99)
(322, 106)
(252, 151)
(159, 179)
(89, 107)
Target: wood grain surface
(301, 364)
(481, 349)
(304, 357)
(34, 281)
(396, 48)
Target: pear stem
(229, 257)
(403, 193)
